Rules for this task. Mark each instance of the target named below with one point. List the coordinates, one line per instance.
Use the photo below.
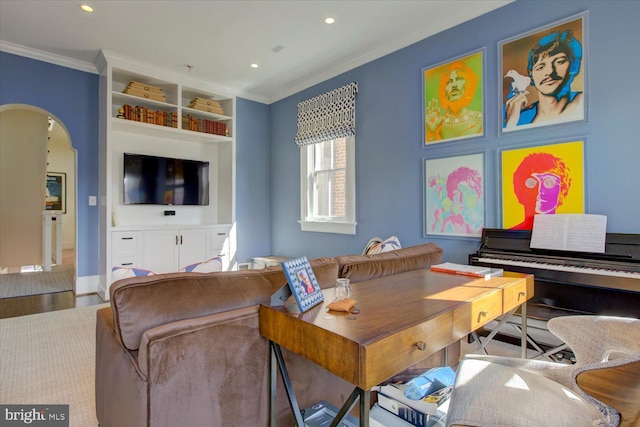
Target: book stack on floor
(422, 401)
(208, 105)
(144, 90)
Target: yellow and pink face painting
(545, 179)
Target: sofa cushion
(358, 268)
(141, 303)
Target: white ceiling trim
(49, 57)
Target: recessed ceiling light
(254, 65)
(86, 8)
(329, 20)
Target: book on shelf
(380, 417)
(467, 270)
(417, 395)
(208, 105)
(428, 382)
(426, 412)
(155, 96)
(144, 87)
(205, 101)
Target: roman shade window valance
(328, 116)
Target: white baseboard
(87, 285)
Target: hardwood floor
(42, 303)
(32, 304)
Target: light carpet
(49, 358)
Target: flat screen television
(151, 180)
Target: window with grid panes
(328, 186)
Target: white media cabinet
(146, 236)
(166, 250)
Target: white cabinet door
(161, 250)
(193, 247)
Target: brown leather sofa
(184, 349)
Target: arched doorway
(34, 146)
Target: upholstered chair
(601, 389)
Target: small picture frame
(303, 283)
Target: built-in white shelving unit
(135, 235)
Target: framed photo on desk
(302, 282)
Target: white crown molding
(51, 58)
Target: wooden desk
(403, 319)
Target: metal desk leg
(293, 403)
(365, 404)
(523, 342)
(276, 361)
(273, 368)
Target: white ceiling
(220, 39)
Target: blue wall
(252, 180)
(389, 152)
(71, 96)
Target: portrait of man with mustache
(544, 95)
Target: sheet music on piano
(570, 232)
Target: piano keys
(606, 284)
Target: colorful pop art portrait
(545, 179)
(542, 77)
(453, 101)
(454, 196)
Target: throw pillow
(118, 273)
(390, 244)
(208, 266)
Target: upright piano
(604, 283)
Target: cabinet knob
(420, 345)
(127, 238)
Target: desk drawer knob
(484, 313)
(522, 294)
(421, 345)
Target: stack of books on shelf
(203, 125)
(147, 115)
(208, 105)
(422, 401)
(144, 90)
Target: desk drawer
(477, 312)
(514, 295)
(388, 356)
